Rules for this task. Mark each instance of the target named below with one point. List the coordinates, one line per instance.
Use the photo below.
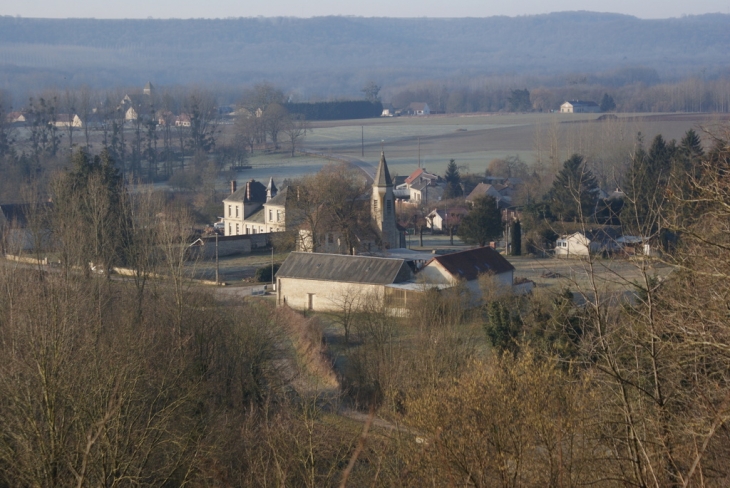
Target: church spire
(382, 175)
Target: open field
(472, 140)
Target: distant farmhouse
(579, 107)
(419, 108)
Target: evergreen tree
(502, 328)
(645, 186)
(574, 193)
(483, 223)
(607, 103)
(516, 238)
(453, 181)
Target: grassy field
(472, 140)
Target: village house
(579, 107)
(419, 108)
(16, 232)
(17, 118)
(501, 193)
(67, 120)
(138, 105)
(585, 243)
(254, 209)
(440, 219)
(467, 267)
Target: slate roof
(479, 191)
(382, 176)
(16, 213)
(251, 192)
(470, 264)
(280, 198)
(345, 268)
(584, 103)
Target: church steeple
(382, 175)
(383, 206)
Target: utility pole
(216, 258)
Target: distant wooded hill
(329, 56)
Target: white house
(579, 107)
(254, 209)
(419, 108)
(67, 120)
(439, 218)
(588, 242)
(468, 266)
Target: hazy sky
(368, 8)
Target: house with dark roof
(579, 107)
(419, 108)
(584, 243)
(16, 233)
(467, 267)
(322, 282)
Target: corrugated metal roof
(470, 264)
(344, 268)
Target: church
(382, 210)
(259, 209)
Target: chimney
(233, 186)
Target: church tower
(382, 207)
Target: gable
(470, 264)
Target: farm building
(579, 107)
(322, 282)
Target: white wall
(327, 296)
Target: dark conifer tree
(516, 238)
(574, 193)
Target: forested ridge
(327, 56)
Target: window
(271, 215)
(236, 210)
(253, 229)
(230, 232)
(375, 205)
(229, 210)
(238, 230)
(278, 215)
(246, 229)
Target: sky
(140, 9)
